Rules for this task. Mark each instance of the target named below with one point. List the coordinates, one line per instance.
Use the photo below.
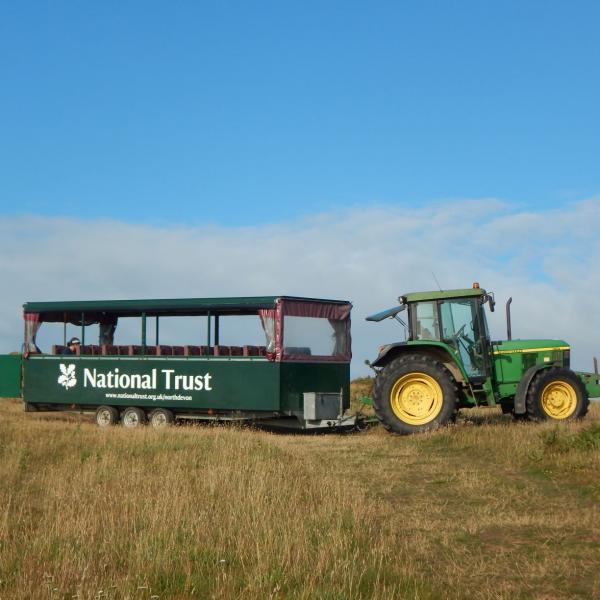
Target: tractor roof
(441, 295)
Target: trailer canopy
(325, 323)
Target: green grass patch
(585, 440)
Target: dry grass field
(487, 508)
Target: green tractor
(449, 362)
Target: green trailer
(449, 362)
(297, 378)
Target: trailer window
(241, 330)
(312, 336)
(53, 335)
(175, 330)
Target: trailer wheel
(415, 393)
(161, 418)
(106, 416)
(556, 394)
(133, 417)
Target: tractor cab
(453, 319)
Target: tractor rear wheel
(556, 394)
(414, 393)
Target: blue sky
(329, 149)
(240, 113)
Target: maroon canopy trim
(301, 308)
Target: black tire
(106, 416)
(133, 417)
(556, 394)
(415, 393)
(161, 418)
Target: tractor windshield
(461, 329)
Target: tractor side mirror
(489, 298)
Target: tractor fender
(523, 387)
(437, 350)
(388, 353)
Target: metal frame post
(144, 332)
(208, 333)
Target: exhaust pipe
(508, 327)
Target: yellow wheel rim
(416, 398)
(559, 400)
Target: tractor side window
(427, 321)
(460, 330)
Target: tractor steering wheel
(459, 334)
(460, 338)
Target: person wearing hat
(72, 346)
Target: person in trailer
(72, 346)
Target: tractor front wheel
(556, 394)
(414, 393)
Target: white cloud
(544, 260)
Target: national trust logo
(67, 378)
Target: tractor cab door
(464, 327)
